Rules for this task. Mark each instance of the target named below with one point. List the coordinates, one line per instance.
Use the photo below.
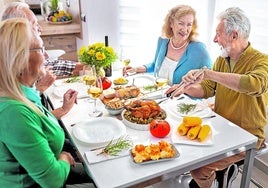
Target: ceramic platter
(177, 154)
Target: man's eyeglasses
(42, 49)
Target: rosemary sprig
(116, 146)
(186, 108)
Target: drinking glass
(95, 91)
(89, 77)
(161, 80)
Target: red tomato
(159, 128)
(106, 83)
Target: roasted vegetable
(182, 129)
(191, 121)
(193, 132)
(204, 132)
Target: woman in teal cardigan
(31, 139)
(177, 50)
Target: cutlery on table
(208, 117)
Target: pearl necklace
(174, 48)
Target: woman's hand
(65, 156)
(69, 99)
(129, 69)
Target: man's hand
(192, 77)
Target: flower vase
(100, 71)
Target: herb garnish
(186, 108)
(114, 147)
(73, 79)
(150, 88)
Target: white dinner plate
(201, 110)
(142, 80)
(79, 87)
(99, 131)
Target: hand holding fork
(190, 78)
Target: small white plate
(201, 110)
(79, 87)
(142, 80)
(99, 131)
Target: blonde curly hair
(175, 14)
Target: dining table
(227, 139)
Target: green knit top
(30, 145)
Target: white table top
(228, 139)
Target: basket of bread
(114, 99)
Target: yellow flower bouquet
(97, 54)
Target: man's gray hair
(13, 10)
(236, 20)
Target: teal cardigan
(196, 56)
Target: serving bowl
(114, 111)
(138, 126)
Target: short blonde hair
(175, 14)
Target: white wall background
(102, 19)
(135, 25)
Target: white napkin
(93, 157)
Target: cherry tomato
(106, 83)
(159, 128)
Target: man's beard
(224, 51)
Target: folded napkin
(93, 157)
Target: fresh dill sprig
(186, 108)
(115, 146)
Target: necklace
(171, 44)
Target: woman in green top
(31, 140)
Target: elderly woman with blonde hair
(31, 139)
(178, 50)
